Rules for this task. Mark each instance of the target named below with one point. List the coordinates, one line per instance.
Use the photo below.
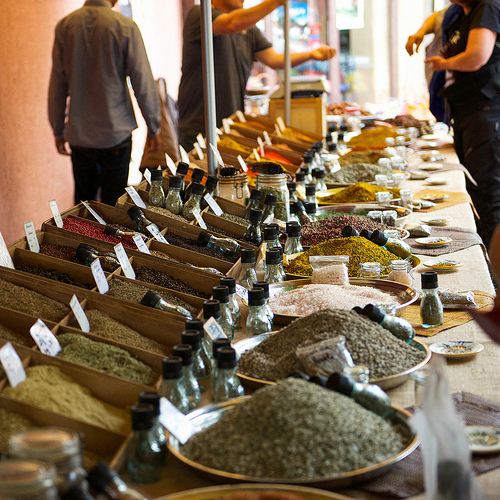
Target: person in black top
(471, 59)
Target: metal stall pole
(288, 66)
(208, 83)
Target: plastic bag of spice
(329, 269)
(457, 299)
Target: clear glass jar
(406, 196)
(370, 270)
(27, 480)
(234, 188)
(253, 233)
(216, 345)
(248, 275)
(197, 324)
(269, 312)
(383, 197)
(137, 215)
(358, 373)
(400, 272)
(253, 202)
(173, 200)
(60, 447)
(156, 194)
(226, 384)
(234, 306)
(431, 307)
(397, 179)
(173, 385)
(221, 293)
(269, 207)
(257, 319)
(329, 269)
(381, 180)
(389, 217)
(277, 185)
(375, 216)
(153, 398)
(193, 203)
(202, 365)
(273, 263)
(185, 352)
(293, 243)
(384, 162)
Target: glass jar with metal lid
(27, 480)
(54, 445)
(276, 184)
(234, 188)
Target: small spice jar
(397, 178)
(375, 216)
(329, 269)
(358, 373)
(389, 217)
(276, 185)
(381, 180)
(370, 270)
(406, 196)
(383, 197)
(431, 308)
(234, 188)
(400, 272)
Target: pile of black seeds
(31, 302)
(134, 292)
(295, 429)
(52, 274)
(179, 241)
(369, 345)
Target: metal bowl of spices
(385, 383)
(207, 416)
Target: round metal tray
(208, 415)
(385, 383)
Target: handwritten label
(242, 163)
(5, 258)
(241, 116)
(140, 244)
(170, 164)
(153, 229)
(175, 421)
(201, 141)
(12, 365)
(29, 229)
(267, 139)
(45, 339)
(256, 154)
(281, 123)
(124, 261)
(184, 155)
(147, 175)
(99, 276)
(98, 218)
(225, 126)
(242, 292)
(135, 197)
(56, 214)
(277, 129)
(213, 329)
(217, 155)
(199, 219)
(79, 313)
(213, 204)
(198, 150)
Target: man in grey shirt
(95, 51)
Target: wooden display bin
(20, 323)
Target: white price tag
(79, 313)
(55, 212)
(242, 292)
(267, 139)
(147, 175)
(201, 141)
(198, 150)
(281, 123)
(175, 421)
(213, 204)
(214, 331)
(184, 155)
(281, 223)
(225, 126)
(277, 129)
(29, 229)
(241, 116)
(99, 276)
(156, 233)
(218, 132)
(217, 155)
(140, 244)
(124, 261)
(199, 219)
(261, 146)
(12, 364)
(170, 164)
(135, 197)
(5, 258)
(242, 163)
(94, 213)
(45, 339)
(256, 154)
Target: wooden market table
(478, 375)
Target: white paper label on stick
(45, 340)
(217, 155)
(135, 197)
(55, 212)
(12, 364)
(29, 229)
(256, 154)
(242, 163)
(213, 205)
(170, 164)
(94, 213)
(241, 116)
(79, 313)
(225, 126)
(260, 142)
(140, 244)
(184, 155)
(124, 261)
(147, 175)
(242, 292)
(277, 129)
(176, 422)
(213, 329)
(281, 123)
(153, 229)
(199, 219)
(267, 139)
(5, 258)
(198, 150)
(99, 276)
(201, 141)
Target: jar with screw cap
(196, 178)
(227, 247)
(293, 243)
(234, 307)
(193, 202)
(221, 293)
(300, 211)
(86, 254)
(185, 352)
(253, 233)
(311, 194)
(273, 261)
(292, 191)
(216, 345)
(226, 385)
(311, 211)
(319, 177)
(156, 194)
(181, 172)
(248, 275)
(431, 307)
(265, 286)
(137, 215)
(173, 385)
(257, 320)
(370, 270)
(201, 364)
(396, 246)
(281, 269)
(269, 206)
(253, 202)
(210, 187)
(399, 327)
(151, 299)
(173, 200)
(153, 398)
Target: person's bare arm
(416, 39)
(274, 60)
(242, 19)
(480, 45)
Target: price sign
(5, 258)
(184, 155)
(225, 126)
(79, 313)
(214, 331)
(242, 292)
(256, 154)
(56, 214)
(30, 232)
(170, 164)
(124, 261)
(45, 339)
(241, 116)
(99, 276)
(198, 150)
(201, 141)
(267, 139)
(199, 219)
(242, 163)
(135, 197)
(153, 229)
(12, 364)
(140, 244)
(175, 421)
(213, 204)
(147, 175)
(98, 218)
